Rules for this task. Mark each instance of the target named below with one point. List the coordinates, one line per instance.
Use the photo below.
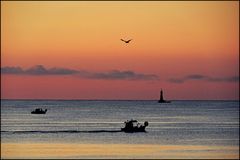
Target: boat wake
(62, 131)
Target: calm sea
(180, 122)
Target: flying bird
(126, 41)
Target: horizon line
(53, 99)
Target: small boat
(161, 100)
(133, 126)
(39, 111)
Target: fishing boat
(133, 126)
(39, 111)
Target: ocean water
(207, 123)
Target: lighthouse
(161, 100)
(161, 95)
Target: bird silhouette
(126, 41)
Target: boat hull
(135, 129)
(38, 112)
(164, 101)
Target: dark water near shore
(177, 123)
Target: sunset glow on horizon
(72, 50)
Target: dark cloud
(194, 76)
(112, 75)
(11, 70)
(41, 70)
(37, 70)
(205, 78)
(123, 75)
(225, 79)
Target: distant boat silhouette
(161, 100)
(39, 111)
(126, 41)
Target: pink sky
(72, 50)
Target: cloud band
(39, 70)
(205, 78)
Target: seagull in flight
(126, 41)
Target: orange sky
(171, 40)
